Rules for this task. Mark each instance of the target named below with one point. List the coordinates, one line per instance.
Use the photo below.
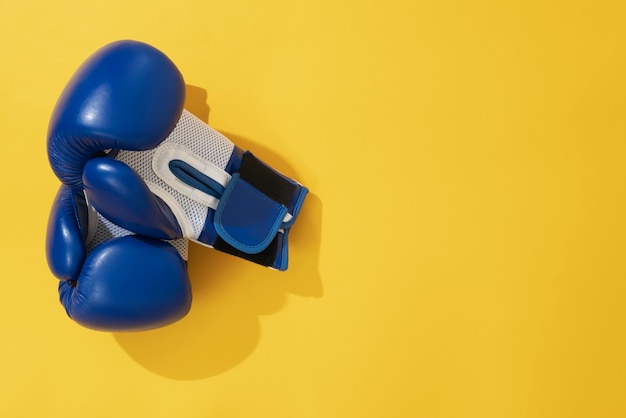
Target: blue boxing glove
(119, 131)
(111, 280)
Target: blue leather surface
(65, 240)
(119, 194)
(129, 284)
(127, 95)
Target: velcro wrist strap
(257, 203)
(246, 218)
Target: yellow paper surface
(462, 251)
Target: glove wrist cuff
(257, 203)
(256, 212)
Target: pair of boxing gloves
(140, 177)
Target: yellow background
(462, 252)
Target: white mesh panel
(106, 230)
(202, 140)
